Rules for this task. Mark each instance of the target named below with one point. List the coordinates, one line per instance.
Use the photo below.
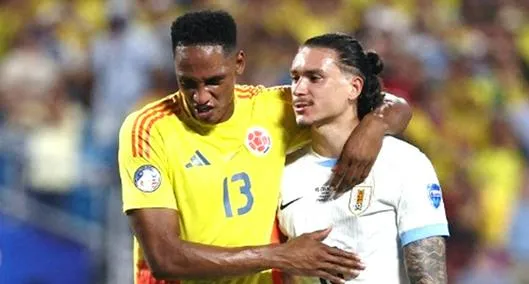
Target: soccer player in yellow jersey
(201, 169)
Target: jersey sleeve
(420, 210)
(142, 166)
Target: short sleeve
(142, 166)
(421, 213)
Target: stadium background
(70, 70)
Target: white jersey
(399, 202)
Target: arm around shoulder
(363, 146)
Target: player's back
(369, 219)
(222, 179)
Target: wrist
(272, 256)
(376, 120)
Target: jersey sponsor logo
(258, 141)
(147, 178)
(360, 199)
(282, 206)
(435, 195)
(197, 160)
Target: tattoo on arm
(426, 261)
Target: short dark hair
(353, 59)
(205, 27)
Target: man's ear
(240, 62)
(357, 83)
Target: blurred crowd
(70, 70)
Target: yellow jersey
(223, 179)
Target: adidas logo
(197, 160)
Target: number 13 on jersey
(242, 180)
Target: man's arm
(169, 257)
(421, 218)
(395, 114)
(362, 148)
(426, 261)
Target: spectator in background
(124, 61)
(518, 246)
(462, 63)
(39, 113)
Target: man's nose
(201, 96)
(300, 87)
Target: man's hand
(358, 155)
(306, 255)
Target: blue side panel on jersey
(328, 163)
(30, 255)
(423, 233)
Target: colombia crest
(258, 141)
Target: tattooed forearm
(426, 261)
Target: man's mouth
(301, 106)
(203, 108)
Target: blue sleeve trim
(423, 233)
(328, 163)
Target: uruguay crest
(435, 195)
(360, 199)
(258, 141)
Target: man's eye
(214, 82)
(315, 78)
(294, 78)
(187, 84)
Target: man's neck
(329, 138)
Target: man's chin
(214, 116)
(303, 121)
(206, 117)
(208, 120)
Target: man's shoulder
(395, 145)
(396, 152)
(281, 92)
(171, 100)
(149, 115)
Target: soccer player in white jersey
(394, 220)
